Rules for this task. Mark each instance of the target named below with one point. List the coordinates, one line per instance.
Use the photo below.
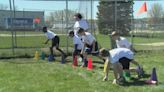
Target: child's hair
(78, 15)
(80, 30)
(44, 29)
(71, 33)
(104, 52)
(114, 33)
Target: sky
(51, 6)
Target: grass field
(29, 75)
(29, 44)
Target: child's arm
(107, 69)
(93, 46)
(82, 51)
(46, 41)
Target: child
(55, 40)
(121, 42)
(78, 45)
(90, 44)
(80, 23)
(120, 58)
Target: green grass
(28, 75)
(33, 43)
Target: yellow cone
(36, 56)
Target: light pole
(15, 38)
(11, 24)
(67, 24)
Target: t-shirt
(123, 43)
(50, 35)
(77, 40)
(88, 38)
(118, 53)
(80, 24)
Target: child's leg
(57, 48)
(56, 43)
(117, 69)
(85, 61)
(51, 50)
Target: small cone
(36, 56)
(127, 75)
(154, 75)
(153, 79)
(43, 56)
(90, 67)
(75, 63)
(51, 58)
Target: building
(21, 19)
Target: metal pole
(115, 14)
(113, 44)
(11, 18)
(62, 22)
(132, 22)
(67, 24)
(91, 16)
(14, 18)
(86, 12)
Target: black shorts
(55, 41)
(90, 47)
(76, 52)
(125, 62)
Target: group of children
(85, 43)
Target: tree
(3, 7)
(59, 16)
(155, 13)
(106, 16)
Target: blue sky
(58, 5)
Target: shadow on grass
(137, 81)
(98, 62)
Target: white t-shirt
(123, 43)
(118, 53)
(80, 24)
(77, 40)
(88, 38)
(50, 35)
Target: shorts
(55, 41)
(76, 52)
(89, 48)
(125, 62)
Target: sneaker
(114, 81)
(105, 79)
(121, 81)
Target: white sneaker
(114, 81)
(105, 79)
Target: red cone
(90, 67)
(75, 63)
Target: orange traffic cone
(75, 63)
(89, 67)
(153, 79)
